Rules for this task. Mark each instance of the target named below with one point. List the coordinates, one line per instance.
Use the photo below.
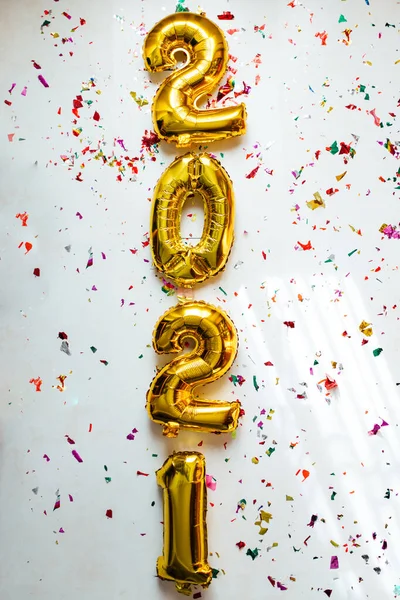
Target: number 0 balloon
(188, 174)
(176, 116)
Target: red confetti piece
(109, 513)
(96, 116)
(37, 383)
(226, 16)
(289, 324)
(323, 37)
(36, 272)
(7, 102)
(35, 64)
(305, 246)
(140, 473)
(240, 545)
(269, 363)
(252, 173)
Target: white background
(297, 108)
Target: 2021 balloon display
(176, 115)
(188, 174)
(182, 478)
(170, 399)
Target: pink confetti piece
(76, 456)
(211, 483)
(334, 562)
(23, 93)
(43, 81)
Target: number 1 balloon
(176, 115)
(184, 560)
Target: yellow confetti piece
(367, 62)
(396, 62)
(265, 516)
(55, 35)
(382, 227)
(140, 101)
(365, 328)
(339, 177)
(255, 460)
(317, 202)
(289, 498)
(334, 544)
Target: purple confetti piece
(121, 143)
(131, 436)
(43, 81)
(46, 457)
(334, 562)
(11, 88)
(70, 498)
(280, 586)
(57, 505)
(76, 455)
(103, 256)
(94, 288)
(61, 530)
(78, 214)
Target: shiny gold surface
(170, 399)
(188, 174)
(176, 116)
(184, 558)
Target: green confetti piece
(333, 495)
(223, 291)
(342, 19)
(108, 479)
(387, 495)
(362, 88)
(141, 356)
(252, 553)
(352, 252)
(256, 386)
(334, 148)
(234, 379)
(377, 351)
(316, 362)
(93, 349)
(270, 451)
(215, 573)
(366, 97)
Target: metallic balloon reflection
(184, 558)
(170, 399)
(188, 174)
(176, 116)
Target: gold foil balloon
(188, 174)
(176, 115)
(184, 560)
(170, 399)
